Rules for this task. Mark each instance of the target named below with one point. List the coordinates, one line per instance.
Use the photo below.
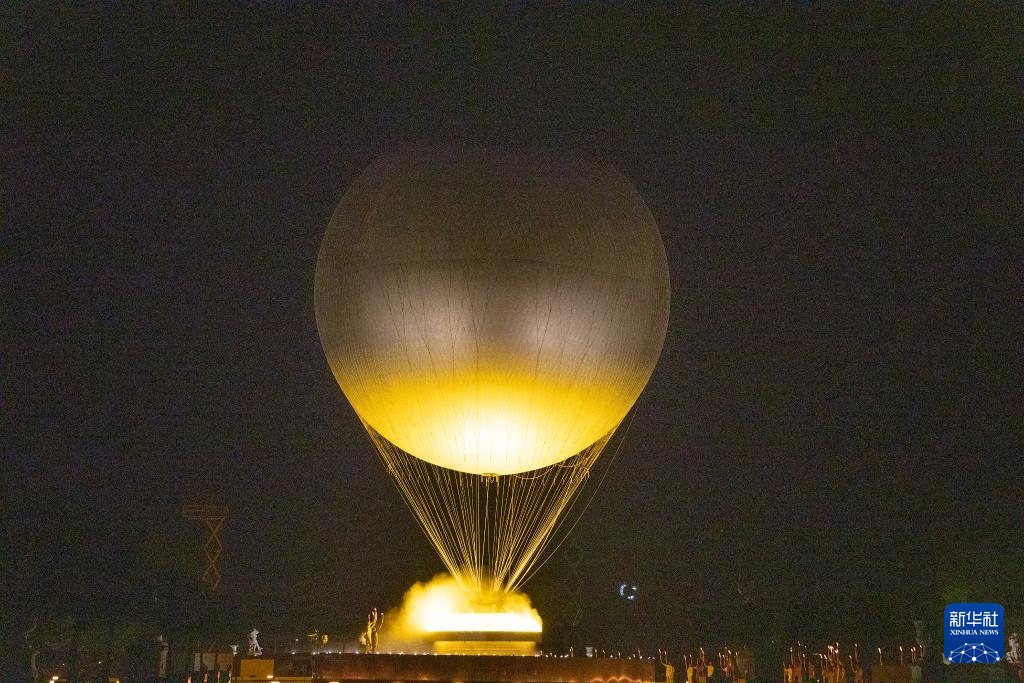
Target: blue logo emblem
(974, 633)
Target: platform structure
(484, 643)
(401, 668)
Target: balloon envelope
(491, 313)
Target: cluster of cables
(491, 531)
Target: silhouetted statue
(931, 663)
(1013, 657)
(162, 647)
(370, 637)
(33, 648)
(254, 645)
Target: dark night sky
(835, 424)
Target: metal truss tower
(213, 516)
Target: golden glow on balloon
(499, 422)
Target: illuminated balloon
(491, 313)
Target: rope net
(489, 530)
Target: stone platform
(401, 668)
